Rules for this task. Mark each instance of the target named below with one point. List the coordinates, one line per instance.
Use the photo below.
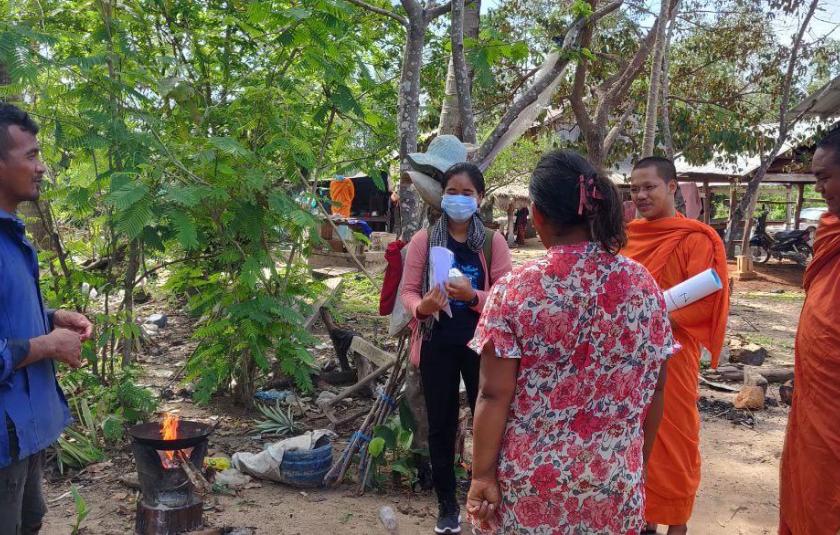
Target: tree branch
(380, 11)
(507, 97)
(612, 136)
(794, 55)
(414, 10)
(618, 86)
(585, 123)
(434, 12)
(490, 147)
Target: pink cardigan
(415, 262)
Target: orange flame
(169, 431)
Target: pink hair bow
(588, 191)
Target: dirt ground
(738, 494)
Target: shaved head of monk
(653, 184)
(826, 168)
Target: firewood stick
(375, 417)
(361, 384)
(202, 486)
(386, 410)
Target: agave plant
(277, 421)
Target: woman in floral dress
(573, 348)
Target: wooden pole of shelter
(707, 202)
(511, 213)
(789, 205)
(743, 262)
(733, 195)
(800, 198)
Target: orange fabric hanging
(810, 477)
(342, 193)
(674, 249)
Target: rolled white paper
(692, 290)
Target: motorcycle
(792, 244)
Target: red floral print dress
(591, 332)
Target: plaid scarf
(438, 237)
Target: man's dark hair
(12, 115)
(831, 142)
(664, 167)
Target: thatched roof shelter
(510, 198)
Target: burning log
(202, 486)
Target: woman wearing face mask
(439, 347)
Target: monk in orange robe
(342, 192)
(810, 482)
(674, 248)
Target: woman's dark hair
(555, 190)
(475, 174)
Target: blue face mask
(459, 208)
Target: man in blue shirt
(33, 411)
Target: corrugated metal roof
(823, 103)
(740, 165)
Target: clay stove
(169, 503)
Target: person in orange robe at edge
(674, 248)
(810, 482)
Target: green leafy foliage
(179, 134)
(390, 448)
(79, 446)
(278, 422)
(100, 414)
(81, 507)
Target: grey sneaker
(449, 517)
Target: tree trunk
(409, 95)
(665, 84)
(654, 89)
(131, 269)
(462, 82)
(46, 217)
(5, 79)
(411, 213)
(38, 231)
(245, 385)
(450, 120)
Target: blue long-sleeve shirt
(30, 396)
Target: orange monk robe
(810, 482)
(342, 193)
(674, 249)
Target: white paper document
(440, 262)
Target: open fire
(169, 431)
